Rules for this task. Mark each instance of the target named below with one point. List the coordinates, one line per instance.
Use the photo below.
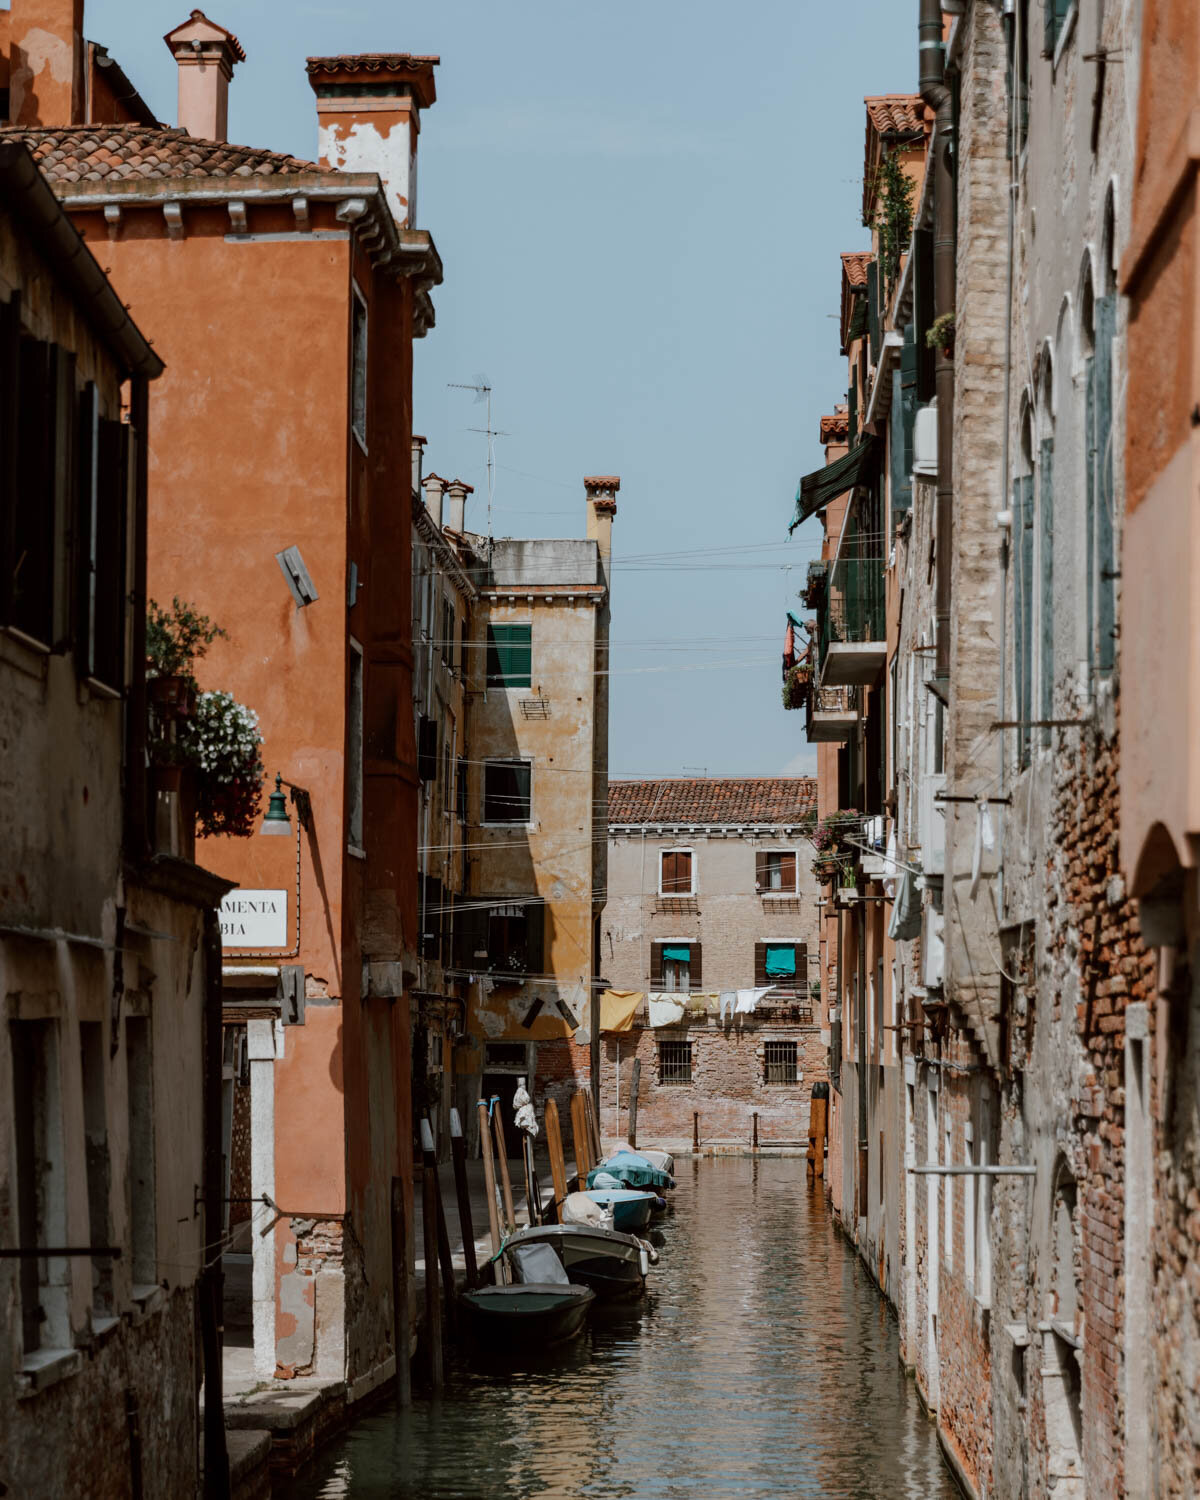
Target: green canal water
(761, 1364)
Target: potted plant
(796, 683)
(848, 890)
(940, 335)
(222, 743)
(175, 639)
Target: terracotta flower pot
(172, 697)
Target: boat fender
(649, 1254)
(644, 1259)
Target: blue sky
(640, 209)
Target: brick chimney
(601, 491)
(369, 117)
(45, 62)
(418, 459)
(434, 488)
(205, 54)
(458, 492)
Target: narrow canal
(763, 1363)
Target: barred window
(674, 1062)
(779, 1062)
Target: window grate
(674, 1062)
(779, 1062)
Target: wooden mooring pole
(634, 1085)
(695, 1131)
(489, 1177)
(400, 1328)
(510, 1213)
(429, 1222)
(458, 1157)
(579, 1139)
(754, 1132)
(558, 1167)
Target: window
(675, 966)
(784, 965)
(675, 872)
(507, 791)
(674, 1062)
(358, 366)
(101, 525)
(447, 641)
(775, 871)
(41, 1183)
(138, 1070)
(510, 656)
(447, 777)
(427, 748)
(93, 1070)
(779, 1062)
(460, 792)
(1055, 16)
(515, 939)
(354, 747)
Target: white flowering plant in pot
(222, 744)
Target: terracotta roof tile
(896, 114)
(373, 62)
(101, 153)
(776, 799)
(854, 266)
(836, 428)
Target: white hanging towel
(890, 880)
(665, 1009)
(984, 839)
(728, 1003)
(523, 1115)
(747, 1000)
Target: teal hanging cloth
(678, 955)
(781, 961)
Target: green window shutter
(112, 506)
(873, 310)
(923, 312)
(1046, 528)
(1055, 13)
(1106, 559)
(510, 656)
(1023, 517)
(903, 418)
(852, 402)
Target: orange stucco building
(284, 296)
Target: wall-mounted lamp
(276, 822)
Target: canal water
(762, 1364)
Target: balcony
(832, 715)
(853, 645)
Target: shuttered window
(925, 357)
(1055, 15)
(873, 310)
(507, 791)
(460, 798)
(1023, 521)
(676, 872)
(110, 561)
(1046, 577)
(675, 966)
(784, 965)
(510, 656)
(900, 427)
(775, 870)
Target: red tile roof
(101, 153)
(404, 67)
(713, 800)
(854, 266)
(836, 428)
(896, 114)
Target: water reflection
(763, 1365)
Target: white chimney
(433, 497)
(205, 54)
(458, 492)
(418, 455)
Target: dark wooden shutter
(470, 937)
(535, 936)
(112, 517)
(427, 749)
(460, 800)
(802, 968)
(923, 311)
(10, 339)
(83, 540)
(656, 966)
(873, 310)
(695, 976)
(760, 964)
(787, 870)
(761, 876)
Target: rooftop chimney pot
(457, 492)
(434, 488)
(205, 54)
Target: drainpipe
(931, 72)
(1006, 537)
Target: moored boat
(611, 1263)
(630, 1209)
(527, 1315)
(630, 1170)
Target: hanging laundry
(893, 870)
(617, 1009)
(748, 1000)
(906, 910)
(985, 839)
(665, 1009)
(727, 1002)
(789, 646)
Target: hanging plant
(797, 681)
(940, 334)
(894, 193)
(222, 744)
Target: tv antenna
(482, 387)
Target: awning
(781, 961)
(677, 955)
(859, 466)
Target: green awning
(677, 955)
(817, 489)
(781, 960)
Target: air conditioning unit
(925, 440)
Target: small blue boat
(630, 1209)
(631, 1171)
